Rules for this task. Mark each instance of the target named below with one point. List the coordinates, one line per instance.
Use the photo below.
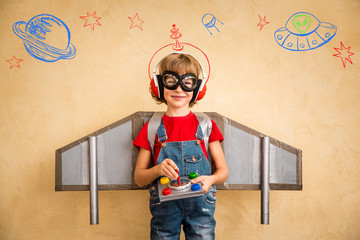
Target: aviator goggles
(171, 81)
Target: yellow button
(164, 180)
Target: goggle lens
(170, 80)
(187, 81)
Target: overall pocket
(193, 164)
(210, 196)
(154, 194)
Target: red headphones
(157, 87)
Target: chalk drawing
(179, 46)
(46, 38)
(136, 22)
(91, 20)
(176, 35)
(262, 22)
(14, 62)
(303, 32)
(212, 23)
(344, 53)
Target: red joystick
(178, 178)
(166, 191)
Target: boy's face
(178, 98)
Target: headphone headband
(156, 81)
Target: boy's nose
(179, 89)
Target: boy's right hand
(167, 168)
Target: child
(179, 145)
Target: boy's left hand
(206, 182)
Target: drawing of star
(136, 22)
(91, 20)
(344, 53)
(14, 62)
(262, 22)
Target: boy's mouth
(177, 97)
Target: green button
(192, 175)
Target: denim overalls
(197, 213)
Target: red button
(166, 191)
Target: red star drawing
(136, 21)
(344, 53)
(262, 22)
(91, 20)
(14, 62)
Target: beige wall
(306, 99)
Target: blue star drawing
(211, 23)
(46, 38)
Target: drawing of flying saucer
(303, 32)
(46, 38)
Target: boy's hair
(178, 62)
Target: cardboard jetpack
(106, 159)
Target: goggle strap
(196, 91)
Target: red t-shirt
(178, 129)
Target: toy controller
(170, 190)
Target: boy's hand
(206, 181)
(167, 168)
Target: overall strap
(199, 133)
(161, 133)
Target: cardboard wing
(116, 158)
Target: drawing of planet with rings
(303, 32)
(46, 38)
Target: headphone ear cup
(157, 91)
(154, 88)
(201, 93)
